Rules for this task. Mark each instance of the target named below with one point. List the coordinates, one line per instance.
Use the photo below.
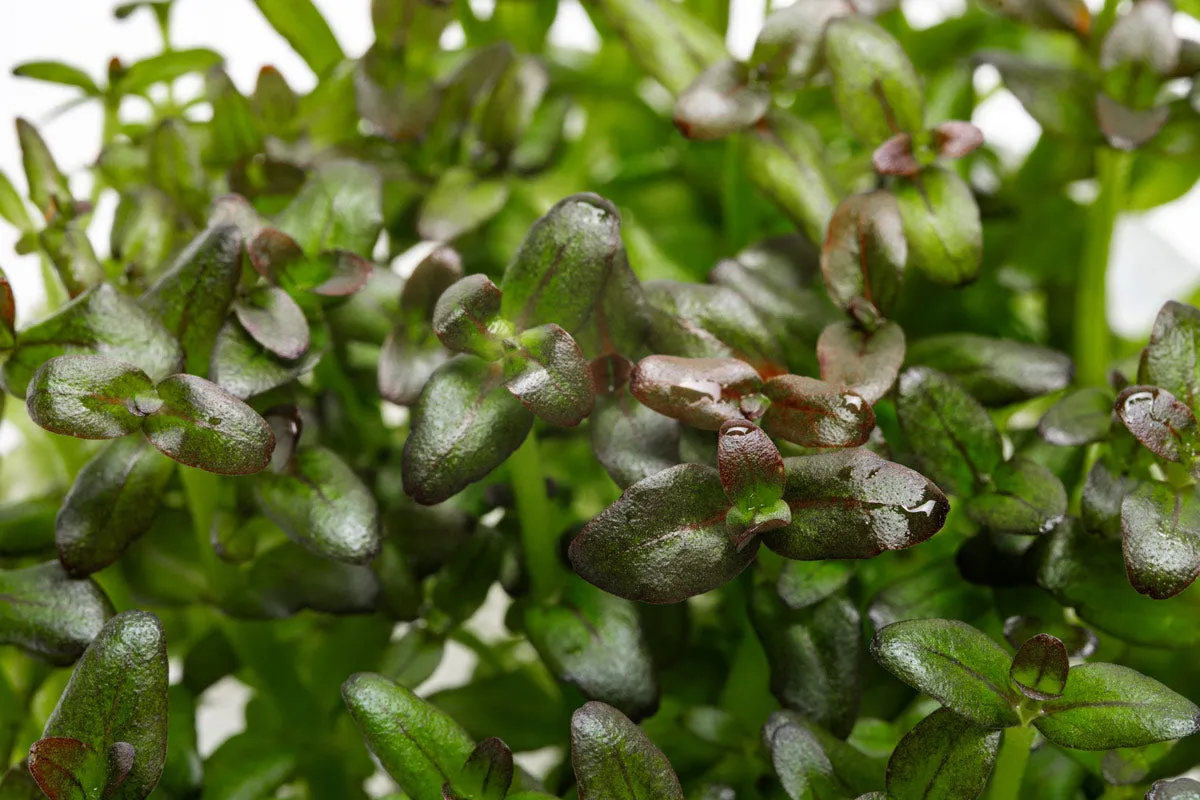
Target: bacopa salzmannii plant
(740, 388)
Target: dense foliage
(743, 386)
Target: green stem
(1010, 764)
(1092, 338)
(533, 511)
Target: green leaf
(1081, 417)
(546, 371)
(460, 203)
(202, 425)
(114, 500)
(1171, 359)
(1060, 99)
(461, 587)
(942, 226)
(614, 760)
(1165, 426)
(176, 168)
(659, 43)
(522, 706)
(952, 662)
(71, 252)
(953, 438)
(800, 761)
(288, 579)
(1143, 36)
(785, 161)
(790, 42)
(68, 769)
(339, 208)
(48, 613)
(1161, 541)
(18, 784)
(945, 757)
(48, 187)
(464, 425)
(937, 590)
(700, 321)
(418, 745)
(864, 253)
(664, 541)
(701, 392)
(868, 363)
(192, 298)
(805, 583)
(488, 773)
(630, 440)
(1040, 668)
(1106, 706)
(996, 371)
(245, 368)
(877, 91)
(234, 133)
(1024, 497)
(812, 413)
(467, 319)
(274, 320)
(510, 109)
(405, 366)
(1178, 789)
(248, 765)
(118, 693)
(143, 232)
(560, 269)
(183, 772)
(853, 504)
(322, 504)
(302, 26)
(90, 397)
(58, 72)
(12, 207)
(814, 655)
(595, 642)
(27, 526)
(751, 471)
(722, 100)
(164, 68)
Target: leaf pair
(187, 418)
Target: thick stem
(534, 512)
(1092, 338)
(1010, 764)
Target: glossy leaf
(1165, 426)
(1024, 498)
(465, 315)
(995, 371)
(68, 769)
(118, 694)
(813, 413)
(944, 757)
(865, 252)
(245, 368)
(783, 159)
(895, 157)
(59, 73)
(1171, 359)
(339, 208)
(90, 397)
(953, 438)
(956, 139)
(322, 504)
(288, 579)
(805, 583)
(789, 44)
(48, 613)
(71, 252)
(488, 773)
(1161, 540)
(1081, 417)
(630, 440)
(1106, 706)
(460, 203)
(699, 321)
(701, 392)
(659, 43)
(562, 264)
(114, 500)
(418, 745)
(868, 363)
(595, 642)
(1040, 668)
(952, 662)
(302, 25)
(853, 504)
(464, 425)
(101, 321)
(614, 760)
(546, 371)
(942, 226)
(799, 760)
(274, 320)
(511, 108)
(1144, 36)
(721, 100)
(876, 89)
(192, 297)
(1178, 789)
(664, 540)
(751, 471)
(202, 425)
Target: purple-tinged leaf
(233, 209)
(1081, 417)
(272, 252)
(630, 440)
(1161, 540)
(875, 87)
(1078, 641)
(721, 100)
(1165, 426)
(895, 157)
(287, 424)
(405, 366)
(812, 413)
(464, 425)
(1142, 36)
(865, 252)
(941, 225)
(436, 273)
(1025, 497)
(1040, 668)
(1129, 128)
(8, 314)
(274, 320)
(547, 372)
(945, 756)
(339, 273)
(1171, 359)
(90, 397)
(1071, 15)
(67, 769)
(868, 363)
(996, 371)
(701, 392)
(48, 613)
(853, 504)
(664, 541)
(202, 425)
(614, 758)
(955, 139)
(467, 319)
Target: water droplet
(925, 508)
(737, 430)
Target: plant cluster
(744, 382)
